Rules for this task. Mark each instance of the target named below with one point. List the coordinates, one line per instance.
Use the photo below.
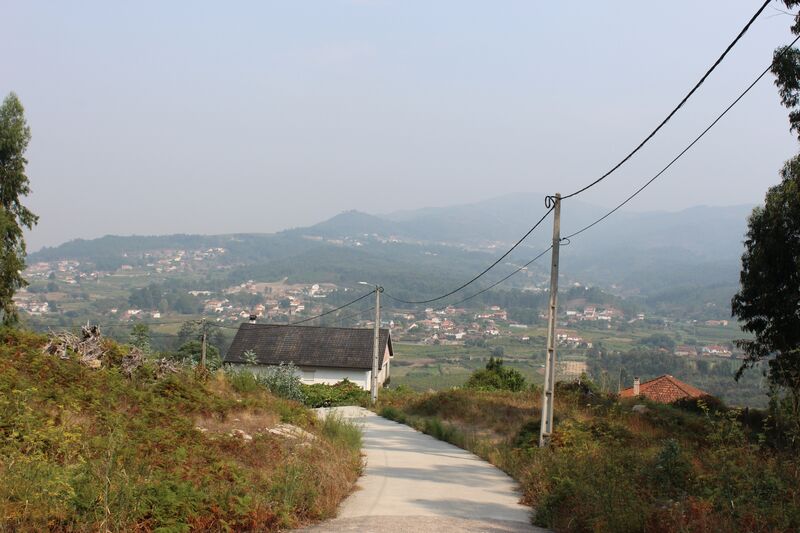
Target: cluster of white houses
(321, 355)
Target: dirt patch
(248, 421)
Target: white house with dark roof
(321, 355)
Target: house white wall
(331, 376)
(385, 370)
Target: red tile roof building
(663, 389)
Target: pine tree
(14, 137)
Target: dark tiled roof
(307, 345)
(665, 389)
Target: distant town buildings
(61, 287)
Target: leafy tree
(659, 340)
(186, 303)
(219, 340)
(14, 137)
(496, 377)
(140, 337)
(192, 352)
(188, 331)
(768, 301)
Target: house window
(308, 375)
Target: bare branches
(88, 346)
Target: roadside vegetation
(697, 466)
(162, 447)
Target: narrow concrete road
(413, 482)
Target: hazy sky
(212, 117)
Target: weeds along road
(413, 482)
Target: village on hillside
(67, 291)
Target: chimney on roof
(253, 319)
(636, 386)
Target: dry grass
(250, 421)
(610, 469)
(90, 449)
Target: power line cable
(490, 287)
(223, 326)
(348, 304)
(680, 105)
(549, 203)
(674, 160)
(549, 200)
(496, 283)
(481, 274)
(340, 320)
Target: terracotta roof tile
(664, 389)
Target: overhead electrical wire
(551, 207)
(549, 202)
(481, 274)
(675, 110)
(696, 139)
(348, 304)
(498, 282)
(339, 320)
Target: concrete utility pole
(546, 426)
(203, 346)
(376, 346)
(376, 343)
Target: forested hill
(413, 251)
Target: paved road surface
(413, 482)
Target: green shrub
(696, 466)
(393, 413)
(528, 435)
(496, 377)
(283, 381)
(343, 393)
(444, 432)
(592, 491)
(94, 450)
(342, 431)
(672, 469)
(242, 380)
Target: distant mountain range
(419, 249)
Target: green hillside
(654, 254)
(694, 467)
(88, 449)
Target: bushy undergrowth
(281, 380)
(496, 376)
(343, 431)
(90, 449)
(343, 393)
(670, 468)
(284, 382)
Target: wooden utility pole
(546, 426)
(376, 346)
